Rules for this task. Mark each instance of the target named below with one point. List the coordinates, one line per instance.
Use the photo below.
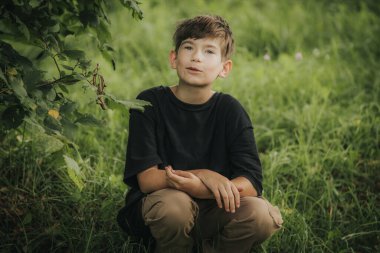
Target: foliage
(41, 97)
(314, 103)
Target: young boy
(192, 163)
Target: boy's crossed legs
(172, 215)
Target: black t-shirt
(216, 135)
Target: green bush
(307, 74)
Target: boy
(192, 162)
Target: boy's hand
(187, 182)
(222, 188)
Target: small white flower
(316, 52)
(266, 57)
(298, 56)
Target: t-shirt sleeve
(243, 155)
(142, 147)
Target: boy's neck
(192, 94)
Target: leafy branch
(42, 27)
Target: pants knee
(175, 217)
(169, 211)
(256, 218)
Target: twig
(53, 82)
(99, 83)
(56, 64)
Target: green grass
(317, 126)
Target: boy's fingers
(217, 197)
(225, 198)
(183, 173)
(236, 193)
(231, 199)
(172, 176)
(169, 168)
(178, 175)
(168, 171)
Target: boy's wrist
(201, 192)
(199, 173)
(198, 189)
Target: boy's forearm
(197, 172)
(242, 183)
(152, 179)
(246, 187)
(201, 192)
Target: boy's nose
(196, 56)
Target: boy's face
(199, 61)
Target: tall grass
(316, 119)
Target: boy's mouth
(193, 69)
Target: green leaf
(52, 124)
(72, 79)
(103, 33)
(55, 28)
(108, 55)
(13, 57)
(108, 47)
(63, 88)
(46, 144)
(88, 17)
(33, 122)
(12, 117)
(68, 107)
(133, 5)
(84, 64)
(53, 42)
(37, 94)
(34, 3)
(31, 78)
(69, 128)
(79, 76)
(29, 103)
(18, 2)
(27, 219)
(134, 104)
(72, 164)
(18, 87)
(73, 171)
(74, 54)
(62, 57)
(88, 119)
(42, 55)
(51, 94)
(67, 67)
(22, 28)
(42, 106)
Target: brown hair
(205, 26)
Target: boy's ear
(227, 67)
(173, 59)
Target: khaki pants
(176, 220)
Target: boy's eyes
(207, 51)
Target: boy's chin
(196, 85)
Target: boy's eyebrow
(188, 41)
(212, 46)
